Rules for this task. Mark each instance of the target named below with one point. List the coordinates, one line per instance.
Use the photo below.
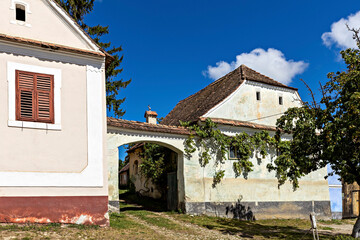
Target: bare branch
(356, 32)
(311, 93)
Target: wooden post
(313, 226)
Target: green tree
(323, 134)
(78, 9)
(327, 133)
(156, 162)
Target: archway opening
(149, 170)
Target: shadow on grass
(134, 201)
(253, 229)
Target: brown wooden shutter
(34, 97)
(44, 96)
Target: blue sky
(172, 49)
(168, 45)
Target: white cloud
(340, 35)
(271, 63)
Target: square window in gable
(20, 12)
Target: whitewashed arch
(117, 137)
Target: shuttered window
(34, 97)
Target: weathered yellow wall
(140, 182)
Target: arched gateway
(242, 101)
(121, 132)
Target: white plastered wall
(45, 21)
(261, 186)
(68, 161)
(117, 137)
(242, 104)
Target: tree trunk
(356, 229)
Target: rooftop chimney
(151, 116)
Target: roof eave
(49, 46)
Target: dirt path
(188, 231)
(337, 229)
(207, 233)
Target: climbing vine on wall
(210, 141)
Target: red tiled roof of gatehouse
(125, 168)
(142, 126)
(192, 108)
(136, 146)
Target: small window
(20, 12)
(258, 98)
(34, 97)
(280, 100)
(234, 153)
(136, 167)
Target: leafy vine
(210, 141)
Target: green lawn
(150, 221)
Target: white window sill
(20, 23)
(36, 125)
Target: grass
(124, 225)
(260, 229)
(121, 221)
(338, 221)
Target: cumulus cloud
(340, 35)
(271, 63)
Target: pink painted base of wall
(76, 210)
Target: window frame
(281, 100)
(20, 7)
(27, 11)
(235, 148)
(12, 121)
(35, 103)
(258, 96)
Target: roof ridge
(263, 75)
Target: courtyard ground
(147, 220)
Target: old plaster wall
(147, 188)
(42, 23)
(242, 104)
(260, 191)
(117, 137)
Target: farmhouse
(53, 121)
(241, 101)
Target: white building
(241, 101)
(53, 117)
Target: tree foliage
(326, 133)
(156, 162)
(322, 134)
(78, 9)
